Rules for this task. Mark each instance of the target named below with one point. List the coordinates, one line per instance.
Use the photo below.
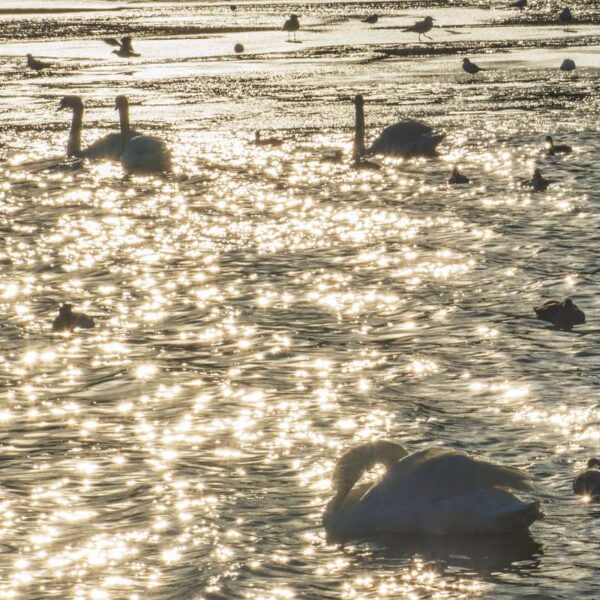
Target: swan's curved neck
(125, 127)
(74, 145)
(359, 131)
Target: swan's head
(293, 17)
(65, 309)
(593, 462)
(549, 139)
(121, 103)
(537, 174)
(569, 303)
(72, 102)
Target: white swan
(435, 491)
(108, 147)
(141, 153)
(407, 138)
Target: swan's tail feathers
(511, 478)
(521, 518)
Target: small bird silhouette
(556, 149)
(564, 315)
(37, 65)
(291, 26)
(232, 7)
(125, 48)
(372, 19)
(470, 67)
(587, 483)
(566, 16)
(68, 319)
(260, 141)
(457, 177)
(238, 48)
(521, 4)
(422, 27)
(538, 183)
(568, 65)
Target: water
(261, 311)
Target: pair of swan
(137, 153)
(435, 491)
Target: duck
(407, 138)
(141, 153)
(587, 483)
(260, 141)
(435, 491)
(568, 65)
(371, 19)
(565, 16)
(35, 64)
(108, 147)
(292, 25)
(125, 46)
(470, 67)
(68, 319)
(564, 315)
(457, 178)
(538, 182)
(422, 27)
(557, 149)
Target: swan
(557, 149)
(434, 491)
(108, 147)
(141, 153)
(457, 177)
(587, 483)
(564, 315)
(407, 138)
(67, 319)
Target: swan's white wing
(436, 473)
(108, 147)
(146, 154)
(406, 138)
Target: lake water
(262, 310)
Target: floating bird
(422, 27)
(537, 182)
(37, 65)
(557, 149)
(470, 67)
(108, 147)
(587, 483)
(260, 141)
(141, 153)
(407, 138)
(232, 7)
(371, 19)
(518, 4)
(568, 65)
(566, 16)
(238, 48)
(434, 491)
(125, 47)
(334, 156)
(68, 319)
(291, 26)
(564, 315)
(457, 177)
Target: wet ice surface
(260, 311)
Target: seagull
(37, 65)
(291, 26)
(566, 16)
(372, 19)
(568, 65)
(457, 177)
(422, 27)
(518, 4)
(559, 149)
(125, 48)
(470, 68)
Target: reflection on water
(263, 309)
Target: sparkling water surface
(263, 309)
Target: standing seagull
(566, 16)
(36, 65)
(291, 26)
(521, 4)
(470, 68)
(371, 19)
(422, 27)
(125, 48)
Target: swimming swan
(435, 491)
(108, 147)
(407, 138)
(141, 153)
